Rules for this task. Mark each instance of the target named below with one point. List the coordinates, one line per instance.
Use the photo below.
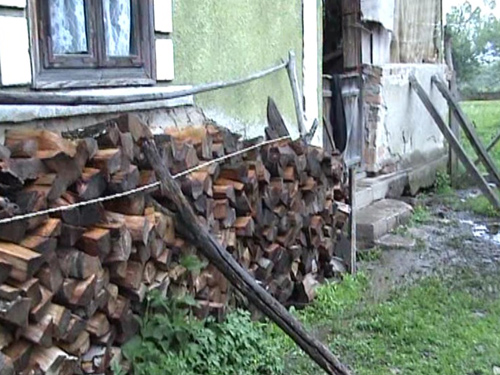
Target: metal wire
(139, 189)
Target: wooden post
(455, 128)
(297, 97)
(469, 130)
(454, 143)
(352, 220)
(190, 227)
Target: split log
(305, 290)
(5, 269)
(140, 227)
(78, 347)
(50, 228)
(29, 289)
(9, 293)
(6, 365)
(38, 312)
(76, 326)
(15, 312)
(98, 325)
(19, 353)
(39, 333)
(237, 275)
(95, 242)
(76, 264)
(50, 275)
(61, 318)
(24, 262)
(124, 180)
(92, 184)
(131, 205)
(53, 361)
(42, 245)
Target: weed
(117, 369)
(171, 341)
(443, 183)
(421, 215)
(402, 230)
(369, 255)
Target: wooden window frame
(95, 69)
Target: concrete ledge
(424, 176)
(373, 189)
(12, 114)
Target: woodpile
(72, 282)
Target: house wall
(400, 132)
(227, 39)
(196, 42)
(15, 64)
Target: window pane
(68, 27)
(118, 24)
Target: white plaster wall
(248, 130)
(381, 11)
(406, 133)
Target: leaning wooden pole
(297, 97)
(225, 263)
(490, 146)
(454, 143)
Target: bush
(172, 341)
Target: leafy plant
(172, 341)
(421, 215)
(369, 255)
(443, 183)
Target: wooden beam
(455, 128)
(454, 143)
(246, 284)
(351, 262)
(468, 129)
(297, 97)
(490, 146)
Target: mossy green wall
(226, 39)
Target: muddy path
(447, 240)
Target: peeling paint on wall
(398, 126)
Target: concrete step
(373, 189)
(380, 218)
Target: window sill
(25, 113)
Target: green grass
(435, 327)
(486, 117)
(481, 205)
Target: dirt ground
(445, 240)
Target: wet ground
(444, 242)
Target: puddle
(488, 231)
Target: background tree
(476, 47)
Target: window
(89, 43)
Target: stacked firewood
(72, 281)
